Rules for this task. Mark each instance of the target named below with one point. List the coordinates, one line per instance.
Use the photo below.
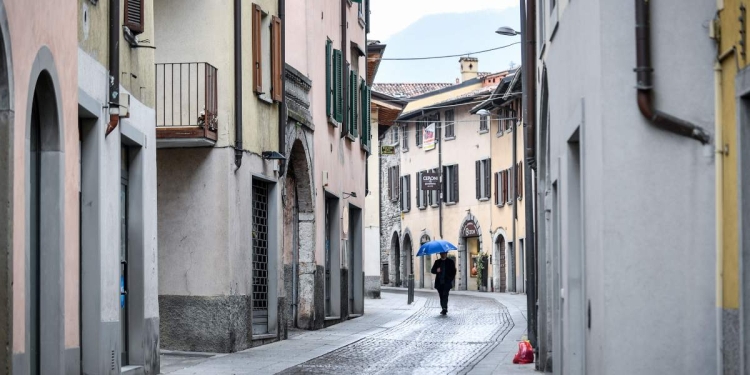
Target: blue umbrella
(435, 247)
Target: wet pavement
(426, 343)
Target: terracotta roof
(408, 90)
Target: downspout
(282, 105)
(114, 66)
(718, 102)
(644, 82)
(529, 34)
(237, 83)
(440, 174)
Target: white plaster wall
(372, 209)
(648, 194)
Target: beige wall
(437, 98)
(467, 147)
(33, 25)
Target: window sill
(361, 22)
(509, 203)
(483, 131)
(265, 98)
(499, 134)
(333, 122)
(405, 150)
(422, 208)
(364, 147)
(449, 138)
(484, 199)
(350, 137)
(450, 203)
(404, 212)
(499, 205)
(434, 206)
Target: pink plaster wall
(34, 24)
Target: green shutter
(368, 108)
(329, 109)
(355, 103)
(337, 87)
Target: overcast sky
(388, 17)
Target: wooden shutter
(444, 181)
(478, 168)
(257, 50)
(455, 183)
(398, 186)
(504, 183)
(355, 103)
(402, 200)
(519, 178)
(390, 183)
(277, 70)
(408, 193)
(419, 189)
(487, 180)
(329, 92)
(494, 177)
(134, 16)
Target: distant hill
(447, 34)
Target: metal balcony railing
(187, 99)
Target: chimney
(469, 68)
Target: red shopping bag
(525, 353)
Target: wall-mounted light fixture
(272, 155)
(347, 195)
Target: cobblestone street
(426, 343)
(478, 336)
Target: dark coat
(444, 278)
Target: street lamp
(483, 112)
(507, 31)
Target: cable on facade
(447, 56)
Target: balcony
(186, 105)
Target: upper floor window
(405, 139)
(418, 131)
(393, 183)
(483, 181)
(450, 183)
(483, 124)
(266, 52)
(450, 131)
(405, 193)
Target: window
(508, 183)
(266, 50)
(394, 134)
(422, 195)
(483, 181)
(334, 89)
(499, 189)
(134, 16)
(483, 127)
(519, 180)
(418, 131)
(365, 114)
(405, 139)
(353, 102)
(450, 184)
(501, 121)
(433, 195)
(450, 131)
(393, 183)
(405, 193)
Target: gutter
(114, 66)
(644, 82)
(237, 83)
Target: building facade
(626, 224)
(117, 142)
(219, 90)
(39, 246)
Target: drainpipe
(644, 82)
(529, 34)
(344, 78)
(114, 66)
(719, 184)
(237, 83)
(282, 105)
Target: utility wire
(447, 56)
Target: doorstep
(132, 370)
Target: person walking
(445, 272)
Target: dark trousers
(443, 292)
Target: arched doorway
(45, 220)
(500, 266)
(425, 263)
(469, 251)
(6, 194)
(299, 241)
(396, 259)
(408, 254)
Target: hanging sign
(470, 229)
(428, 137)
(387, 150)
(430, 181)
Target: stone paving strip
(391, 338)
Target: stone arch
(500, 260)
(44, 181)
(394, 273)
(425, 262)
(407, 253)
(463, 277)
(299, 243)
(7, 118)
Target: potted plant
(482, 263)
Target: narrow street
(478, 336)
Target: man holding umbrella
(445, 272)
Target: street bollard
(410, 289)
